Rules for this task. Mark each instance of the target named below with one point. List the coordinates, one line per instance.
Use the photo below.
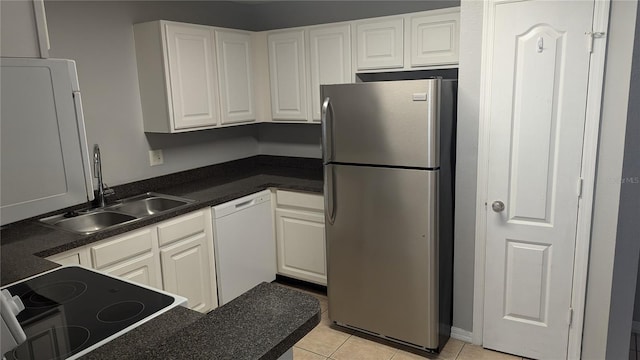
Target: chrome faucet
(97, 173)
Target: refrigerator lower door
(382, 247)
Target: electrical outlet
(155, 157)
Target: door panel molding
(589, 150)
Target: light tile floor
(327, 343)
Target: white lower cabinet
(175, 255)
(182, 271)
(300, 236)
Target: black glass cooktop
(72, 309)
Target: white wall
(471, 13)
(269, 15)
(303, 140)
(601, 318)
(99, 36)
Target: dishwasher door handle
(245, 203)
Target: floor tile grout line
(313, 352)
(460, 351)
(345, 340)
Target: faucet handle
(108, 191)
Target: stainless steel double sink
(124, 211)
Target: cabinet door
(380, 44)
(330, 60)
(301, 245)
(186, 271)
(192, 75)
(235, 75)
(288, 76)
(143, 270)
(434, 39)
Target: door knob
(497, 206)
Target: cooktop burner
(53, 294)
(71, 310)
(121, 311)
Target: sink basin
(148, 205)
(126, 210)
(90, 223)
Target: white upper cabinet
(415, 41)
(329, 60)
(434, 39)
(380, 44)
(235, 76)
(287, 71)
(196, 77)
(177, 76)
(192, 74)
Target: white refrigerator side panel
(44, 158)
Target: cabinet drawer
(181, 227)
(300, 200)
(121, 248)
(79, 256)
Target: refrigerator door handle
(329, 194)
(327, 131)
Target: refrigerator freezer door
(393, 123)
(381, 251)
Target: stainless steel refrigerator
(389, 150)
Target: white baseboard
(466, 336)
(635, 327)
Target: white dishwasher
(245, 247)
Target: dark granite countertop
(25, 244)
(261, 324)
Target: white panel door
(380, 44)
(434, 39)
(192, 75)
(186, 271)
(287, 72)
(330, 60)
(538, 93)
(301, 245)
(235, 75)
